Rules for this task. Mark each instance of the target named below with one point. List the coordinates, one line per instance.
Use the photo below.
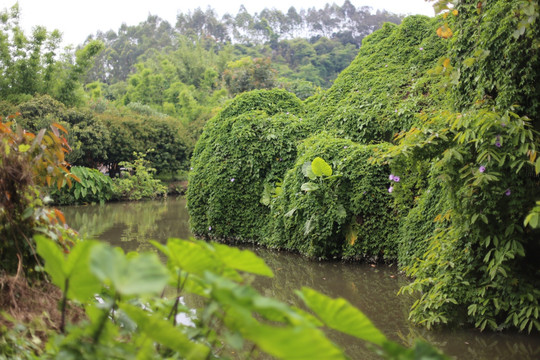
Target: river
(372, 289)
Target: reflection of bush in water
(131, 225)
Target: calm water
(371, 289)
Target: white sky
(77, 19)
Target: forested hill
(313, 44)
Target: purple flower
(345, 147)
(390, 189)
(391, 177)
(191, 168)
(503, 124)
(498, 144)
(421, 49)
(209, 228)
(482, 169)
(508, 192)
(396, 178)
(232, 180)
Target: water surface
(372, 289)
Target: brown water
(372, 289)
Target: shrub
(347, 214)
(29, 161)
(137, 181)
(250, 143)
(94, 187)
(384, 88)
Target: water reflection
(371, 289)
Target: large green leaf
(74, 267)
(309, 186)
(294, 342)
(190, 256)
(321, 167)
(165, 333)
(54, 260)
(340, 315)
(307, 171)
(129, 275)
(83, 284)
(243, 260)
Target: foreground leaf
(340, 315)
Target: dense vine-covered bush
(346, 213)
(496, 56)
(250, 143)
(385, 86)
(479, 265)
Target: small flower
(190, 168)
(385, 65)
(396, 178)
(503, 124)
(209, 228)
(498, 144)
(508, 192)
(345, 147)
(482, 169)
(390, 189)
(232, 180)
(395, 111)
(421, 49)
(391, 177)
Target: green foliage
(132, 132)
(235, 157)
(341, 210)
(230, 314)
(137, 181)
(383, 89)
(29, 161)
(494, 64)
(93, 187)
(31, 65)
(477, 263)
(18, 343)
(533, 218)
(249, 74)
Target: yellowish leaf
(445, 32)
(446, 62)
(60, 127)
(60, 215)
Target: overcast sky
(77, 19)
